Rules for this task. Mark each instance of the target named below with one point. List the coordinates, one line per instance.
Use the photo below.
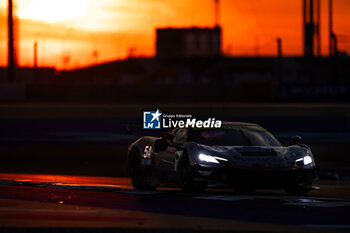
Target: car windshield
(250, 135)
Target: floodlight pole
(217, 13)
(11, 57)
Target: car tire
(141, 177)
(187, 177)
(297, 190)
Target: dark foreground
(91, 140)
(47, 203)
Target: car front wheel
(187, 177)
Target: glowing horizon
(89, 32)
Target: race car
(243, 156)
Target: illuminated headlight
(207, 158)
(210, 159)
(307, 160)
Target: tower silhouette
(12, 41)
(311, 23)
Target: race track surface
(76, 203)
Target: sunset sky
(78, 33)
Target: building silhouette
(188, 42)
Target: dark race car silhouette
(244, 156)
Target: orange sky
(70, 31)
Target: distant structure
(35, 62)
(312, 36)
(333, 47)
(217, 13)
(188, 42)
(279, 47)
(12, 41)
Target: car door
(167, 159)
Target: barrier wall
(245, 92)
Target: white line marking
(245, 197)
(314, 202)
(320, 204)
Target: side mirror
(160, 145)
(297, 140)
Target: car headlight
(210, 159)
(306, 160)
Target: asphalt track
(80, 204)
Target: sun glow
(71, 32)
(53, 11)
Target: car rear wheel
(187, 177)
(141, 177)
